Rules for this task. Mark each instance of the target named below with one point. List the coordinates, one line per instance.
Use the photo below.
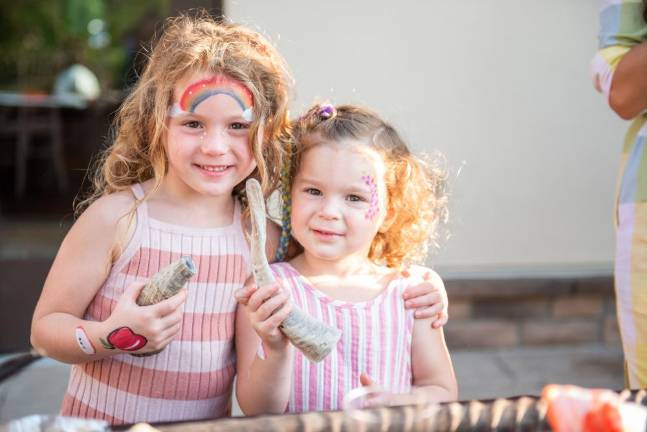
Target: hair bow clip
(326, 111)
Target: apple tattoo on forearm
(124, 339)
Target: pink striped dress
(376, 340)
(192, 377)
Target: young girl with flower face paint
(209, 111)
(361, 206)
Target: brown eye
(312, 191)
(192, 124)
(238, 126)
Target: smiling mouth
(325, 233)
(214, 168)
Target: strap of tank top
(141, 221)
(142, 211)
(237, 222)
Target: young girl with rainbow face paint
(361, 206)
(209, 111)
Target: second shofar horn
(164, 284)
(313, 338)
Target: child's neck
(310, 265)
(353, 279)
(182, 206)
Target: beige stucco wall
(501, 88)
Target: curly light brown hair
(188, 44)
(417, 199)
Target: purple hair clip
(326, 111)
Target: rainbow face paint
(219, 84)
(374, 206)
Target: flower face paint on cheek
(374, 205)
(219, 84)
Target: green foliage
(40, 38)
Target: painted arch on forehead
(199, 91)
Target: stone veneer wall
(530, 312)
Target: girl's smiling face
(207, 141)
(338, 200)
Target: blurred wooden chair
(34, 122)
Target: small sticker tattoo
(124, 339)
(84, 341)
(374, 202)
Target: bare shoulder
(87, 253)
(110, 208)
(108, 221)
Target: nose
(214, 142)
(329, 209)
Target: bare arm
(81, 266)
(262, 385)
(433, 373)
(628, 94)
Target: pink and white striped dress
(192, 377)
(376, 340)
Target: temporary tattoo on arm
(124, 339)
(84, 341)
(374, 205)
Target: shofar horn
(166, 283)
(313, 338)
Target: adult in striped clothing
(362, 205)
(620, 73)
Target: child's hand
(368, 395)
(243, 294)
(143, 329)
(429, 297)
(365, 380)
(266, 308)
(384, 398)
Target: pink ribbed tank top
(376, 340)
(192, 377)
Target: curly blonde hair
(194, 43)
(417, 198)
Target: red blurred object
(576, 409)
